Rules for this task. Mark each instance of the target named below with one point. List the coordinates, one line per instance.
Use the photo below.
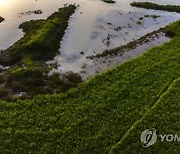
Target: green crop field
(105, 114)
(96, 116)
(164, 116)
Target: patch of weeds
(151, 16)
(138, 22)
(109, 1)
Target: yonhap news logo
(149, 137)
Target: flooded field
(88, 27)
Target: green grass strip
(41, 40)
(149, 5)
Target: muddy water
(88, 27)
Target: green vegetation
(148, 5)
(41, 39)
(29, 73)
(164, 117)
(109, 1)
(98, 115)
(1, 19)
(139, 22)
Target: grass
(41, 39)
(98, 115)
(164, 117)
(148, 5)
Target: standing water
(88, 27)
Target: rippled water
(88, 27)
